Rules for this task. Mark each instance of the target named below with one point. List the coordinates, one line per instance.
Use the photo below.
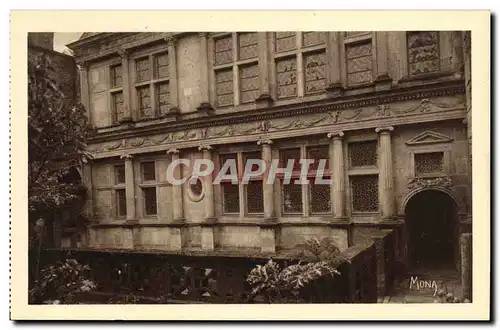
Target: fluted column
(337, 168)
(129, 187)
(172, 74)
(386, 177)
(127, 103)
(208, 185)
(177, 197)
(205, 107)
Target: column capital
(127, 156)
(83, 65)
(264, 142)
(385, 129)
(336, 135)
(171, 40)
(173, 151)
(123, 53)
(205, 147)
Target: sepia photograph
(251, 167)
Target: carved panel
(248, 45)
(363, 153)
(423, 52)
(249, 83)
(98, 81)
(103, 204)
(313, 38)
(142, 69)
(429, 162)
(100, 109)
(286, 73)
(162, 97)
(224, 87)
(359, 62)
(116, 76)
(364, 193)
(118, 106)
(285, 41)
(224, 50)
(161, 65)
(315, 72)
(144, 100)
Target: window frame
(144, 184)
(113, 90)
(358, 38)
(118, 186)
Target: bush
(59, 283)
(319, 260)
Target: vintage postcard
(250, 165)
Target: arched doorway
(431, 227)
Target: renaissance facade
(389, 110)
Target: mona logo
(418, 285)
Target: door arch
(431, 230)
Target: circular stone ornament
(196, 188)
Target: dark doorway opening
(431, 231)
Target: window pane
(320, 198)
(142, 69)
(149, 200)
(163, 96)
(247, 43)
(286, 75)
(118, 106)
(144, 100)
(292, 198)
(364, 193)
(116, 76)
(431, 162)
(161, 65)
(256, 155)
(359, 62)
(286, 154)
(121, 203)
(119, 174)
(231, 197)
(423, 52)
(318, 153)
(313, 38)
(315, 72)
(285, 41)
(249, 83)
(224, 50)
(255, 197)
(148, 171)
(363, 153)
(224, 87)
(225, 158)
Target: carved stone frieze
(417, 183)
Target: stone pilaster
(205, 108)
(333, 74)
(84, 87)
(383, 80)
(268, 227)
(337, 168)
(207, 229)
(177, 198)
(127, 99)
(87, 182)
(172, 74)
(386, 177)
(130, 187)
(265, 99)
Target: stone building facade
(387, 109)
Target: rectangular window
(161, 65)
(224, 87)
(223, 50)
(318, 153)
(286, 73)
(118, 110)
(142, 69)
(359, 62)
(319, 197)
(162, 98)
(287, 154)
(255, 197)
(285, 41)
(230, 197)
(149, 194)
(116, 76)
(144, 100)
(148, 171)
(423, 52)
(249, 83)
(247, 45)
(121, 202)
(313, 38)
(364, 193)
(428, 163)
(119, 174)
(292, 198)
(363, 153)
(315, 72)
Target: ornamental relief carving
(286, 123)
(417, 183)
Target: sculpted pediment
(429, 137)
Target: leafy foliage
(59, 283)
(57, 129)
(320, 259)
